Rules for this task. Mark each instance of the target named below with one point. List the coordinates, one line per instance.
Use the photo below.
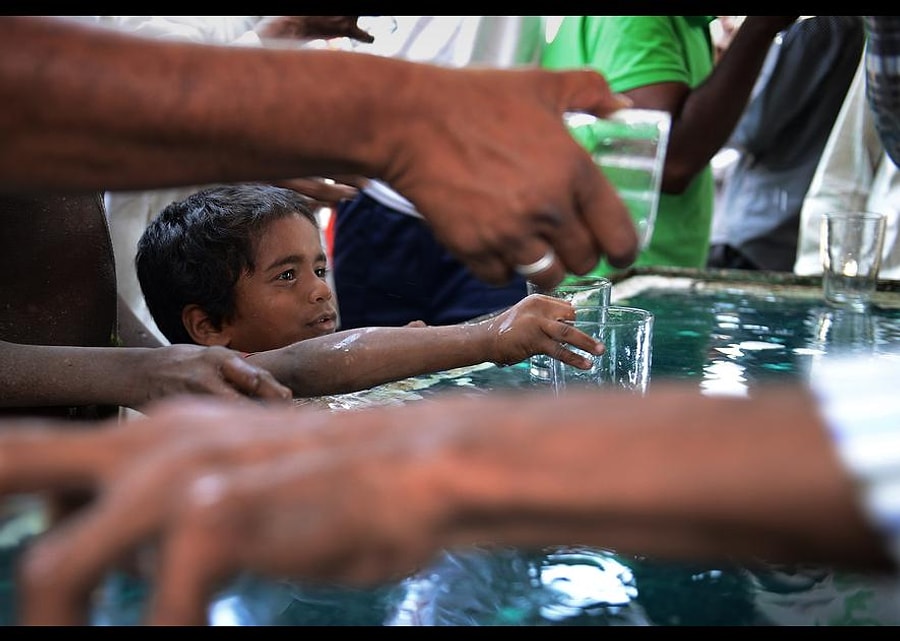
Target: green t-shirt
(634, 51)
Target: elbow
(676, 178)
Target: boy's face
(287, 298)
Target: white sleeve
(859, 399)
(208, 29)
(248, 39)
(843, 177)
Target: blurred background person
(669, 63)
(780, 138)
(855, 173)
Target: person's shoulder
(825, 29)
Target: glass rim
(573, 284)
(617, 314)
(627, 115)
(622, 314)
(639, 311)
(854, 215)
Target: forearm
(705, 121)
(167, 126)
(45, 376)
(357, 359)
(676, 475)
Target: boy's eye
(287, 275)
(321, 272)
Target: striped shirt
(858, 399)
(883, 79)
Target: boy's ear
(201, 328)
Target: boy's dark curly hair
(195, 250)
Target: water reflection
(589, 581)
(724, 377)
(563, 586)
(728, 341)
(807, 595)
(843, 331)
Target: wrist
(131, 384)
(399, 116)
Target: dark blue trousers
(389, 270)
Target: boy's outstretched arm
(356, 359)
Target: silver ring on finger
(541, 264)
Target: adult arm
(806, 57)
(703, 117)
(49, 375)
(674, 475)
(357, 359)
(86, 107)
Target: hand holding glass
(627, 335)
(629, 146)
(589, 296)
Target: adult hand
(723, 29)
(324, 193)
(482, 153)
(193, 475)
(501, 180)
(536, 325)
(310, 27)
(56, 375)
(193, 369)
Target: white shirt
(454, 41)
(854, 174)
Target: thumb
(586, 90)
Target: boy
(243, 266)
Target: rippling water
(728, 339)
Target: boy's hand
(537, 325)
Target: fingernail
(624, 101)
